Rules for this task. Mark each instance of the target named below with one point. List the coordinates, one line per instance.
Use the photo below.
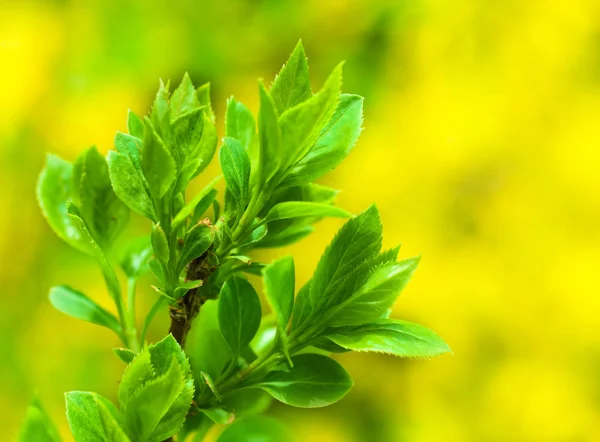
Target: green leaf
(269, 137)
(184, 98)
(239, 313)
(148, 405)
(239, 123)
(314, 381)
(185, 287)
(157, 163)
(279, 280)
(255, 236)
(334, 143)
(236, 169)
(107, 271)
(203, 205)
(302, 124)
(160, 116)
(103, 212)
(76, 304)
(38, 426)
(203, 94)
(286, 237)
(376, 295)
(134, 257)
(196, 243)
(255, 429)
(187, 132)
(207, 145)
(93, 418)
(209, 381)
(292, 84)
(54, 190)
(218, 415)
(129, 185)
(131, 147)
(189, 208)
(160, 244)
(124, 354)
(358, 240)
(298, 209)
(399, 338)
(135, 125)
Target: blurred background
(481, 149)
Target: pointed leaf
(236, 169)
(196, 243)
(239, 123)
(279, 280)
(207, 145)
(292, 85)
(184, 98)
(298, 209)
(269, 137)
(135, 125)
(134, 257)
(92, 418)
(189, 208)
(157, 163)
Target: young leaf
(93, 418)
(186, 135)
(334, 143)
(298, 209)
(399, 338)
(218, 415)
(376, 295)
(269, 137)
(185, 287)
(104, 213)
(197, 241)
(236, 169)
(279, 280)
(124, 354)
(239, 123)
(302, 124)
(189, 208)
(184, 98)
(292, 84)
(255, 428)
(203, 94)
(207, 145)
(160, 244)
(131, 147)
(76, 304)
(239, 313)
(134, 257)
(157, 163)
(314, 381)
(135, 125)
(53, 192)
(203, 205)
(37, 426)
(160, 116)
(129, 185)
(286, 237)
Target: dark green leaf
(279, 280)
(76, 304)
(298, 209)
(256, 429)
(157, 163)
(239, 313)
(189, 208)
(292, 85)
(53, 192)
(197, 241)
(314, 381)
(334, 143)
(207, 145)
(160, 244)
(399, 338)
(93, 418)
(38, 426)
(236, 169)
(239, 123)
(129, 185)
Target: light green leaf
(334, 143)
(196, 243)
(209, 381)
(218, 415)
(269, 137)
(399, 338)
(129, 185)
(189, 208)
(298, 209)
(76, 304)
(93, 418)
(160, 244)
(157, 163)
(38, 426)
(372, 299)
(314, 381)
(239, 313)
(302, 124)
(292, 84)
(134, 257)
(135, 125)
(236, 169)
(124, 354)
(160, 116)
(184, 98)
(239, 123)
(286, 237)
(207, 145)
(131, 147)
(203, 205)
(255, 236)
(54, 190)
(185, 287)
(256, 429)
(203, 94)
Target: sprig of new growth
(236, 359)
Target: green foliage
(239, 360)
(37, 425)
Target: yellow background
(481, 149)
